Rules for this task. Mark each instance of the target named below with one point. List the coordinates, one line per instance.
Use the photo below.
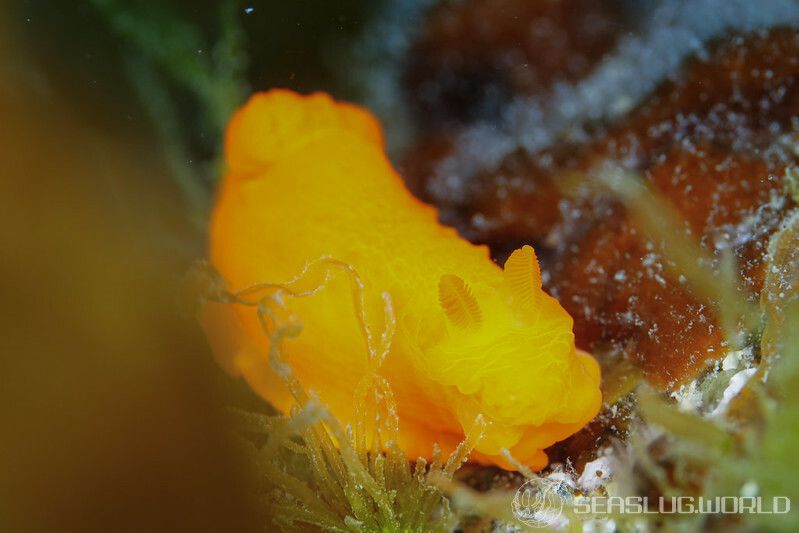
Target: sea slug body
(307, 179)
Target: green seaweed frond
(775, 459)
(792, 181)
(752, 451)
(749, 448)
(168, 61)
(317, 473)
(660, 220)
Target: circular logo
(539, 502)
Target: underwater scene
(399, 265)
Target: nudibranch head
(509, 352)
(311, 204)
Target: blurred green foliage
(165, 48)
(191, 64)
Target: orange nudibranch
(308, 178)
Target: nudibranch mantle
(308, 178)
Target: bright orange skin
(307, 178)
